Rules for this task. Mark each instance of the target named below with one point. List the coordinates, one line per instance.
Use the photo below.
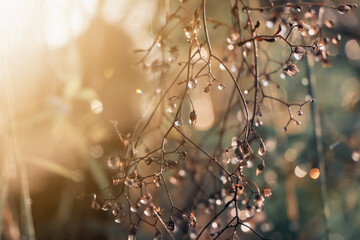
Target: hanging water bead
(179, 122)
(192, 83)
(193, 117)
(187, 31)
(119, 217)
(158, 235)
(149, 211)
(262, 149)
(132, 232)
(299, 53)
(113, 161)
(258, 122)
(133, 209)
(107, 205)
(249, 211)
(267, 192)
(145, 199)
(174, 54)
(259, 202)
(221, 86)
(172, 107)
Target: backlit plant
(166, 181)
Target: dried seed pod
(245, 149)
(260, 168)
(132, 232)
(328, 23)
(262, 149)
(239, 154)
(193, 117)
(192, 220)
(291, 70)
(171, 224)
(342, 9)
(267, 192)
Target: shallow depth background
(67, 71)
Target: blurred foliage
(47, 95)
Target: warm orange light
(315, 173)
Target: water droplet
(265, 82)
(222, 67)
(113, 161)
(148, 211)
(192, 83)
(179, 122)
(221, 86)
(249, 211)
(145, 199)
(133, 208)
(246, 92)
(299, 53)
(119, 218)
(106, 206)
(158, 235)
(172, 107)
(259, 203)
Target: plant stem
(315, 116)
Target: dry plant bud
(291, 70)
